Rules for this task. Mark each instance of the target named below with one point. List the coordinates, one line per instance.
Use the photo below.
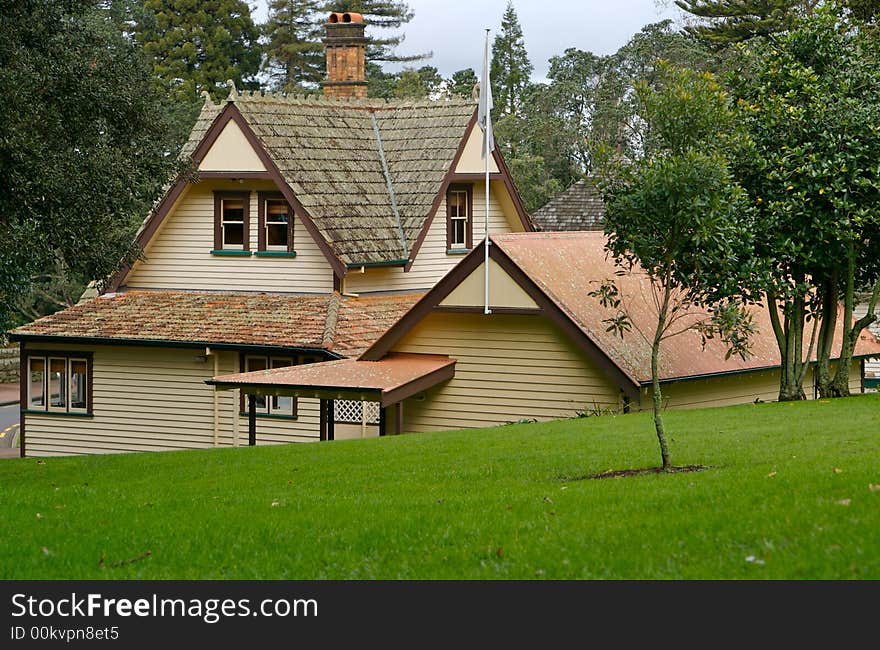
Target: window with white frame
(231, 221)
(459, 226)
(59, 383)
(277, 225)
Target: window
(275, 222)
(280, 405)
(459, 222)
(231, 221)
(59, 382)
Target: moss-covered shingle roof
(339, 324)
(580, 207)
(366, 171)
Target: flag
(484, 113)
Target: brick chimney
(346, 54)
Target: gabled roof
(341, 325)
(580, 207)
(559, 270)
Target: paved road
(8, 424)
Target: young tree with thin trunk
(677, 215)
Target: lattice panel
(348, 411)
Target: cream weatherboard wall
(231, 152)
(155, 399)
(509, 367)
(471, 160)
(179, 254)
(433, 261)
(741, 388)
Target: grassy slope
(495, 503)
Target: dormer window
(459, 218)
(275, 223)
(231, 221)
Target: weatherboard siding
(433, 261)
(741, 388)
(508, 368)
(155, 399)
(179, 255)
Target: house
(543, 352)
(311, 226)
(322, 277)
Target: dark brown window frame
(469, 228)
(262, 197)
(219, 196)
(57, 354)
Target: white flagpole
(486, 309)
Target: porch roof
(389, 380)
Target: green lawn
(787, 496)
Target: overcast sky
(454, 29)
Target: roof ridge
(371, 103)
(332, 320)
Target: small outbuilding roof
(341, 325)
(580, 207)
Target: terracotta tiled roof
(340, 324)
(580, 207)
(567, 266)
(330, 153)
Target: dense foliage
(85, 145)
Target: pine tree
(511, 69)
(196, 45)
(731, 21)
(382, 14)
(462, 82)
(294, 52)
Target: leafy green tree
(295, 59)
(85, 144)
(812, 106)
(418, 84)
(511, 70)
(678, 213)
(196, 46)
(462, 82)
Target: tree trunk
(789, 338)
(828, 315)
(655, 382)
(851, 331)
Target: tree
(678, 215)
(732, 21)
(379, 14)
(812, 107)
(294, 52)
(462, 82)
(511, 70)
(85, 144)
(418, 84)
(195, 48)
